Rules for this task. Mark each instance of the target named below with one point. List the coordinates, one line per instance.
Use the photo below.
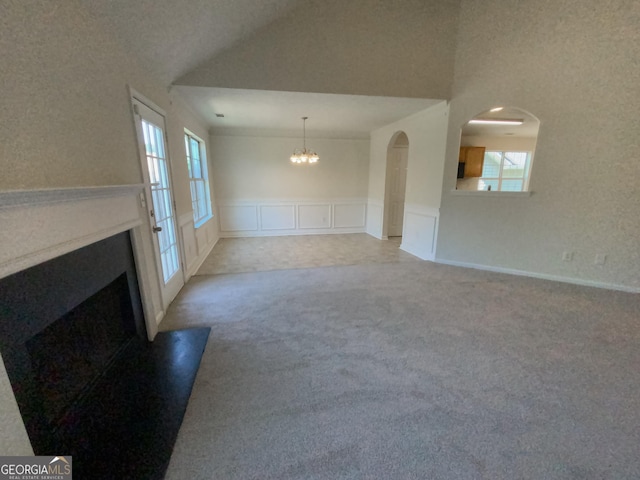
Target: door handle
(156, 229)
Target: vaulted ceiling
(360, 48)
(172, 37)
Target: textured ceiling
(171, 38)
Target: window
(198, 178)
(505, 171)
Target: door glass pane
(161, 197)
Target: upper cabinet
(473, 159)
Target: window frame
(201, 181)
(524, 178)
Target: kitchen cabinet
(473, 160)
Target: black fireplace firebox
(62, 324)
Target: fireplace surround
(62, 324)
(37, 226)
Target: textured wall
(65, 116)
(366, 47)
(574, 65)
(258, 168)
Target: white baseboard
(543, 276)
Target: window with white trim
(198, 178)
(505, 171)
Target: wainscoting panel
(349, 215)
(314, 216)
(238, 218)
(274, 217)
(419, 232)
(189, 241)
(202, 240)
(277, 217)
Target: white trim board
(542, 276)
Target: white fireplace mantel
(38, 225)
(25, 198)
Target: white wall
(573, 64)
(403, 48)
(260, 192)
(426, 132)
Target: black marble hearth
(132, 418)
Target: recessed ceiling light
(497, 109)
(220, 115)
(496, 121)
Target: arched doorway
(396, 183)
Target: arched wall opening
(497, 147)
(395, 185)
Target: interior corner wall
(426, 132)
(260, 192)
(573, 64)
(359, 47)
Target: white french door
(156, 169)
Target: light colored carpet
(409, 371)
